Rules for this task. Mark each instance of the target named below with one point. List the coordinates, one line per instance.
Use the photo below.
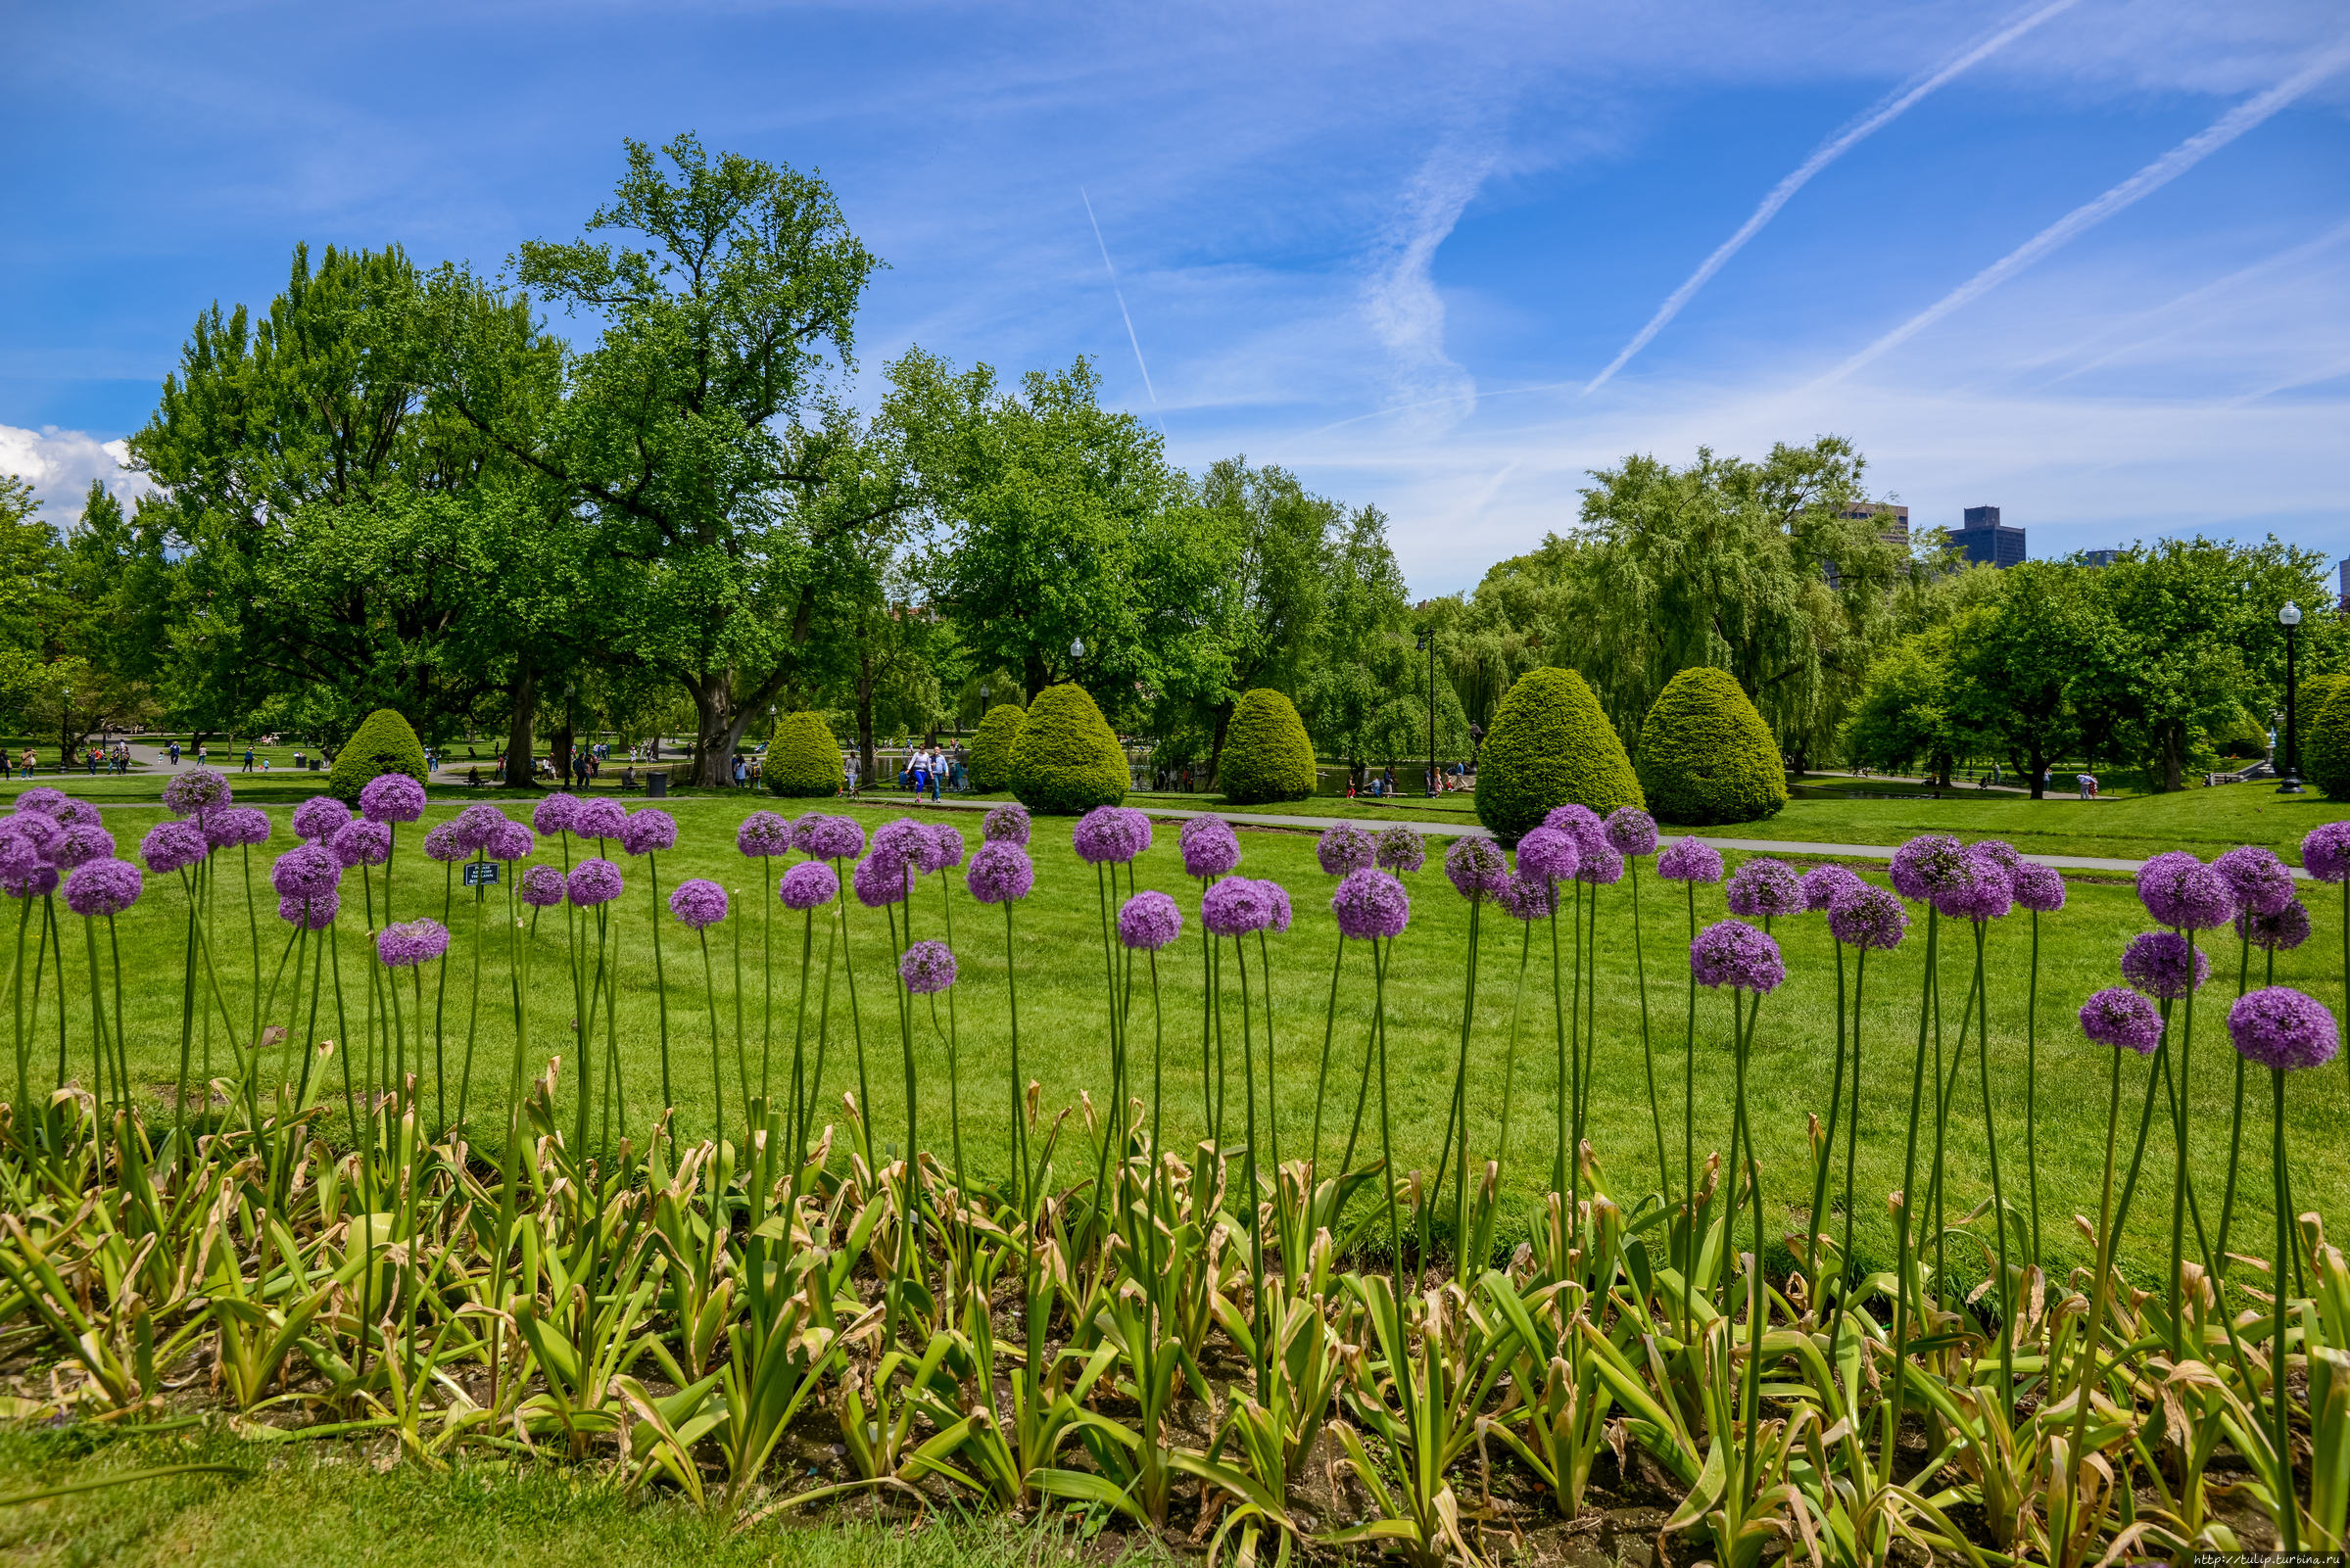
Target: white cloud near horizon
(60, 464)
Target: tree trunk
(865, 761)
(559, 745)
(2172, 763)
(1223, 726)
(519, 729)
(2040, 771)
(715, 728)
(1033, 674)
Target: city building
(2106, 557)
(1895, 531)
(2343, 570)
(1984, 538)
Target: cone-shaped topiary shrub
(1266, 753)
(2324, 724)
(804, 760)
(1706, 755)
(384, 742)
(1550, 744)
(1066, 759)
(991, 746)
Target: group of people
(928, 769)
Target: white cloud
(1401, 302)
(60, 465)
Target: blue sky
(1390, 247)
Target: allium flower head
(1235, 907)
(1402, 848)
(1209, 848)
(197, 792)
(103, 887)
(314, 914)
(999, 873)
(945, 849)
(476, 822)
(1475, 866)
(600, 817)
(1370, 904)
(1602, 867)
(1631, 832)
(78, 844)
(2257, 878)
(1526, 897)
(40, 799)
(699, 902)
(1276, 906)
(306, 872)
(1547, 855)
(237, 827)
(2038, 888)
(2123, 1020)
(880, 879)
(2325, 853)
(174, 847)
(1928, 865)
(926, 968)
(2280, 932)
(593, 881)
(1007, 824)
(1735, 954)
(541, 887)
(446, 843)
(1823, 886)
(2000, 850)
(1110, 836)
(553, 814)
(361, 843)
(1986, 892)
(32, 827)
(2181, 892)
(903, 841)
(22, 867)
(1690, 860)
(809, 884)
(1149, 921)
(1581, 824)
(1766, 887)
(392, 797)
(1346, 849)
(2275, 1028)
(2157, 963)
(72, 813)
(836, 838)
(763, 834)
(319, 818)
(1867, 916)
(648, 831)
(409, 943)
(508, 841)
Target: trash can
(657, 785)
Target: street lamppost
(1427, 644)
(2290, 619)
(1077, 651)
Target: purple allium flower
(34, 829)
(600, 817)
(237, 827)
(2005, 854)
(2257, 878)
(79, 843)
(174, 847)
(1631, 832)
(1733, 953)
(72, 813)
(763, 834)
(1927, 865)
(1549, 855)
(2280, 932)
(699, 902)
(803, 831)
(836, 838)
(1346, 849)
(1579, 823)
(475, 824)
(945, 849)
(1106, 835)
(1602, 867)
(317, 914)
(541, 887)
(196, 792)
(1209, 848)
(40, 799)
(319, 818)
(1475, 866)
(40, 885)
(409, 943)
(2123, 1020)
(1402, 848)
(103, 887)
(808, 885)
(2325, 853)
(21, 865)
(1138, 825)
(999, 873)
(2275, 1028)
(926, 968)
(593, 881)
(508, 841)
(446, 843)
(306, 872)
(2037, 888)
(903, 841)
(1524, 896)
(1235, 907)
(1867, 916)
(1986, 892)
(553, 814)
(361, 843)
(1823, 886)
(1690, 860)
(1370, 904)
(1766, 887)
(648, 830)
(2156, 963)
(392, 797)
(1150, 920)
(1007, 824)
(1276, 906)
(2181, 892)
(880, 879)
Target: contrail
(2153, 177)
(1885, 113)
(1121, 301)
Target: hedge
(1266, 755)
(1066, 760)
(2325, 726)
(991, 744)
(804, 760)
(384, 742)
(1706, 755)
(1550, 744)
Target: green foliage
(2240, 735)
(1706, 755)
(1067, 760)
(1550, 744)
(384, 742)
(803, 762)
(1266, 753)
(2324, 718)
(991, 747)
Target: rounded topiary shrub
(384, 742)
(804, 760)
(1550, 744)
(991, 764)
(2322, 705)
(1066, 759)
(1266, 753)
(1706, 755)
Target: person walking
(248, 759)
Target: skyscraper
(1894, 529)
(1984, 538)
